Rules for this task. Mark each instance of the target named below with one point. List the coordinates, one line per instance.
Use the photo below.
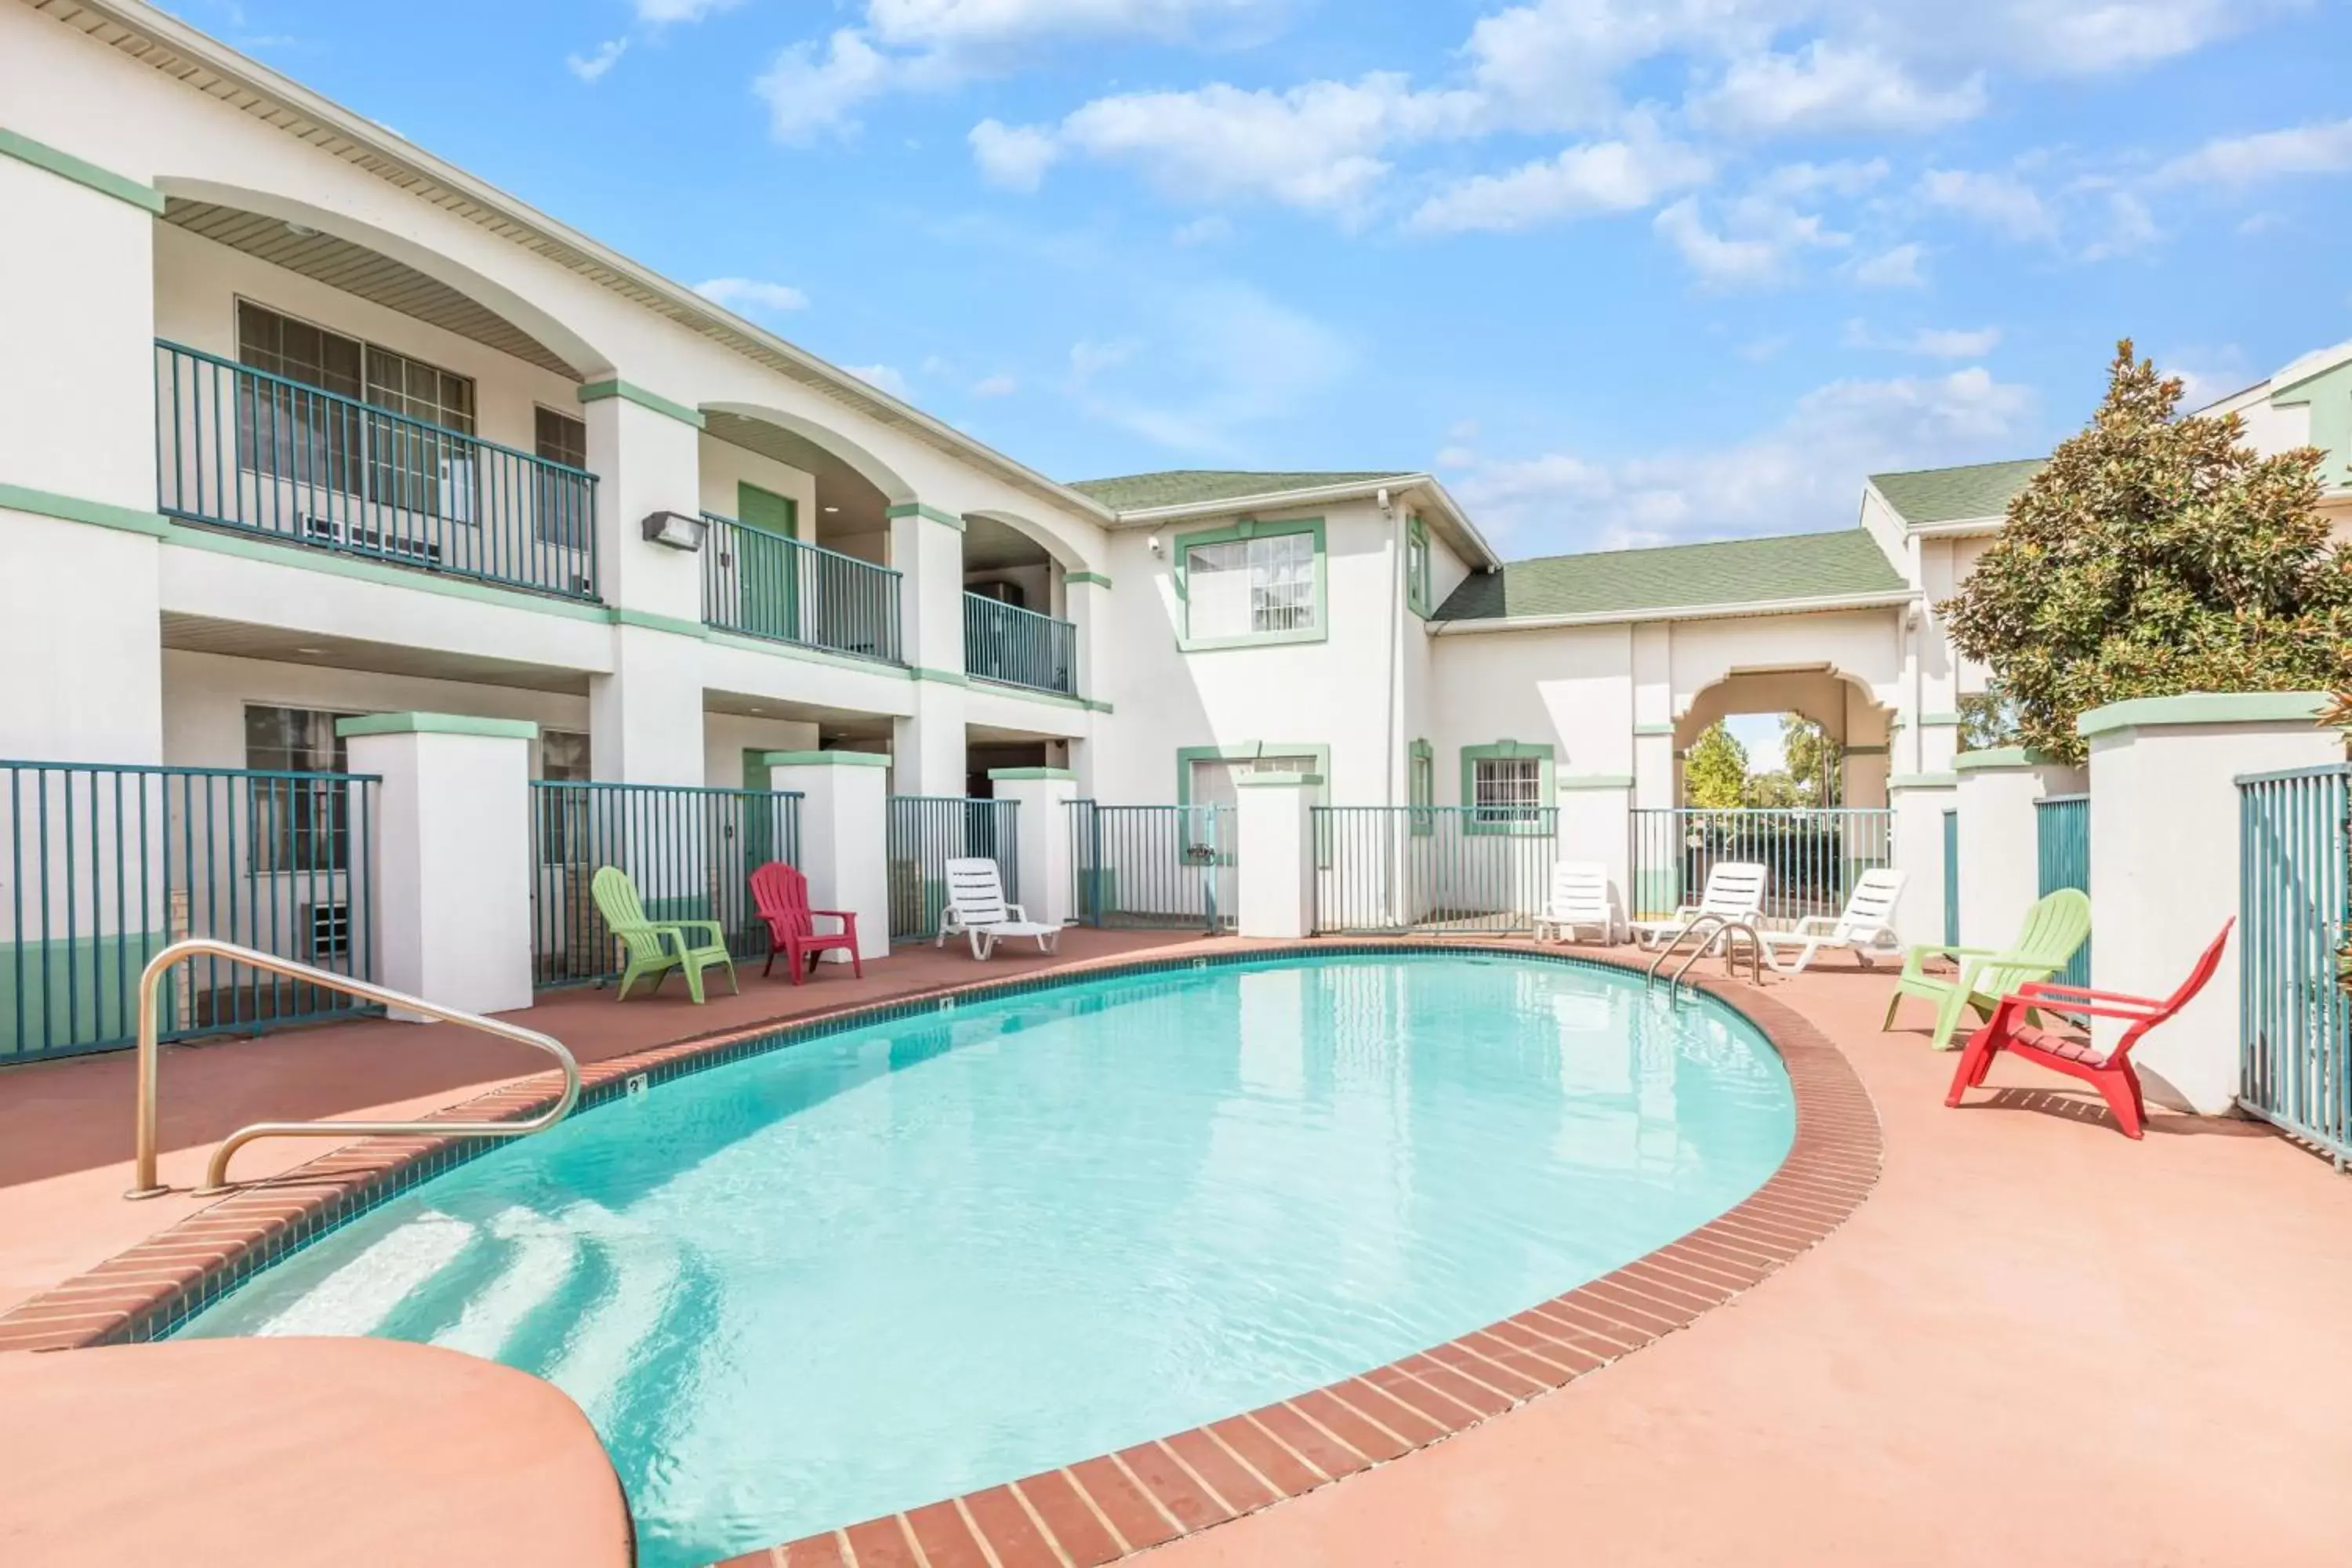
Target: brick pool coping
(1101, 1509)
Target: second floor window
(561, 509)
(1241, 587)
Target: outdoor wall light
(1152, 544)
(675, 530)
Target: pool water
(887, 1265)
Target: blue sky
(1619, 273)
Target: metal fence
(240, 447)
(766, 585)
(2062, 836)
(1019, 647)
(1431, 867)
(1951, 879)
(2294, 1018)
(691, 851)
(1812, 857)
(102, 865)
(926, 832)
(1160, 865)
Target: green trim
(2328, 394)
(1080, 579)
(1181, 544)
(1001, 776)
(1244, 751)
(629, 392)
(1591, 781)
(1667, 729)
(825, 759)
(928, 512)
(1927, 718)
(1997, 758)
(437, 724)
(1265, 780)
(1546, 783)
(1417, 571)
(657, 623)
(82, 171)
(2203, 708)
(73, 508)
(944, 676)
(1923, 780)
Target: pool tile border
(1103, 1509)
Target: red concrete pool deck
(2035, 1342)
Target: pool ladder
(144, 1182)
(1722, 929)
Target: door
(768, 570)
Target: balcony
(765, 585)
(240, 448)
(1019, 647)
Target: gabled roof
(1794, 567)
(1191, 486)
(1922, 497)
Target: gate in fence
(103, 865)
(1812, 858)
(2062, 838)
(926, 832)
(689, 850)
(1158, 865)
(1431, 867)
(2294, 1016)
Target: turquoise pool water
(875, 1269)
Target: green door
(768, 574)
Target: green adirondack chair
(2053, 928)
(657, 947)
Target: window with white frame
(1416, 567)
(1249, 587)
(563, 509)
(1507, 789)
(300, 823)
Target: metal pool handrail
(1724, 926)
(216, 1173)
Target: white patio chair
(1866, 928)
(1579, 898)
(976, 908)
(1735, 890)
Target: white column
(2000, 860)
(1044, 796)
(1596, 824)
(927, 747)
(645, 719)
(2164, 863)
(844, 852)
(1919, 802)
(452, 869)
(1275, 856)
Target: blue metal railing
(104, 864)
(923, 833)
(1951, 879)
(1152, 865)
(766, 585)
(1812, 857)
(2294, 839)
(1431, 867)
(1019, 647)
(2062, 833)
(240, 447)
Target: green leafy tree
(2154, 555)
(1813, 761)
(1714, 773)
(1777, 789)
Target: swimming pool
(904, 1261)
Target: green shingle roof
(1733, 572)
(1188, 486)
(1954, 495)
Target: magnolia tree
(2154, 556)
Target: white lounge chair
(976, 908)
(1866, 926)
(1735, 889)
(1579, 898)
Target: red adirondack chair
(2112, 1075)
(780, 894)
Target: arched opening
(1809, 736)
(1016, 625)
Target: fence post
(843, 834)
(2165, 862)
(1277, 854)
(1042, 796)
(1996, 795)
(452, 867)
(1919, 802)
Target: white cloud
(1595, 177)
(1221, 362)
(808, 94)
(2273, 154)
(1212, 229)
(1013, 157)
(1897, 268)
(2128, 226)
(984, 26)
(881, 376)
(995, 387)
(751, 293)
(1825, 88)
(1933, 343)
(592, 69)
(1998, 201)
(1841, 178)
(661, 13)
(1756, 244)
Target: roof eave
(1958, 527)
(1887, 599)
(1465, 534)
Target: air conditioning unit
(1002, 592)
(327, 928)
(376, 541)
(458, 489)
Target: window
(1416, 567)
(559, 439)
(1253, 582)
(1421, 788)
(1507, 787)
(563, 511)
(562, 813)
(298, 824)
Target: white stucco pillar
(1863, 775)
(2164, 863)
(1044, 796)
(1276, 857)
(2001, 861)
(1086, 600)
(927, 746)
(646, 453)
(645, 719)
(844, 852)
(451, 872)
(1596, 824)
(1919, 802)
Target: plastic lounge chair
(977, 909)
(1580, 897)
(779, 896)
(2053, 928)
(657, 947)
(2111, 1073)
(1735, 889)
(1865, 929)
